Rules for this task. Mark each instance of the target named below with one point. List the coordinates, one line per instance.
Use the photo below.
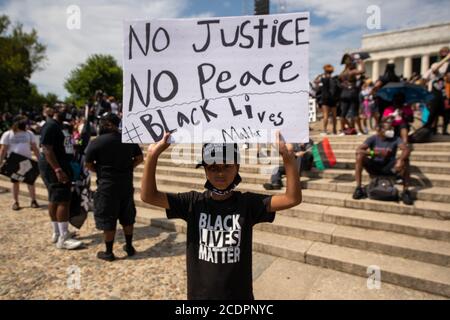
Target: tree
(99, 72)
(21, 54)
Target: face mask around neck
(231, 187)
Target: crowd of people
(220, 219)
(352, 97)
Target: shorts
(376, 168)
(349, 108)
(112, 206)
(329, 102)
(373, 108)
(15, 181)
(57, 191)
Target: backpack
(421, 135)
(382, 188)
(350, 131)
(335, 88)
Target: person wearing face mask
(400, 115)
(56, 172)
(21, 141)
(378, 156)
(113, 162)
(220, 220)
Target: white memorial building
(413, 50)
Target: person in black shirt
(388, 76)
(378, 156)
(113, 162)
(56, 172)
(329, 89)
(102, 105)
(220, 220)
(349, 96)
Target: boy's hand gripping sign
(233, 79)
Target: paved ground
(32, 268)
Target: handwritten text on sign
(234, 79)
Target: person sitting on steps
(304, 160)
(378, 156)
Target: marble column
(424, 64)
(407, 67)
(375, 70)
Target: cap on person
(219, 153)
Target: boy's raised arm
(149, 190)
(293, 194)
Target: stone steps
(438, 194)
(427, 209)
(438, 210)
(341, 163)
(417, 179)
(420, 156)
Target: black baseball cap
(219, 153)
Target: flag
(323, 155)
(20, 168)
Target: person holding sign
(55, 169)
(21, 141)
(220, 220)
(113, 162)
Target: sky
(336, 26)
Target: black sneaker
(407, 198)
(270, 186)
(15, 206)
(359, 193)
(129, 250)
(106, 256)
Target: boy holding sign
(220, 220)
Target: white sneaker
(55, 237)
(68, 243)
(341, 134)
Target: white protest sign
(232, 79)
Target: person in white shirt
(437, 76)
(21, 141)
(114, 105)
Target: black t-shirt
(219, 241)
(52, 135)
(113, 160)
(102, 106)
(386, 78)
(385, 146)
